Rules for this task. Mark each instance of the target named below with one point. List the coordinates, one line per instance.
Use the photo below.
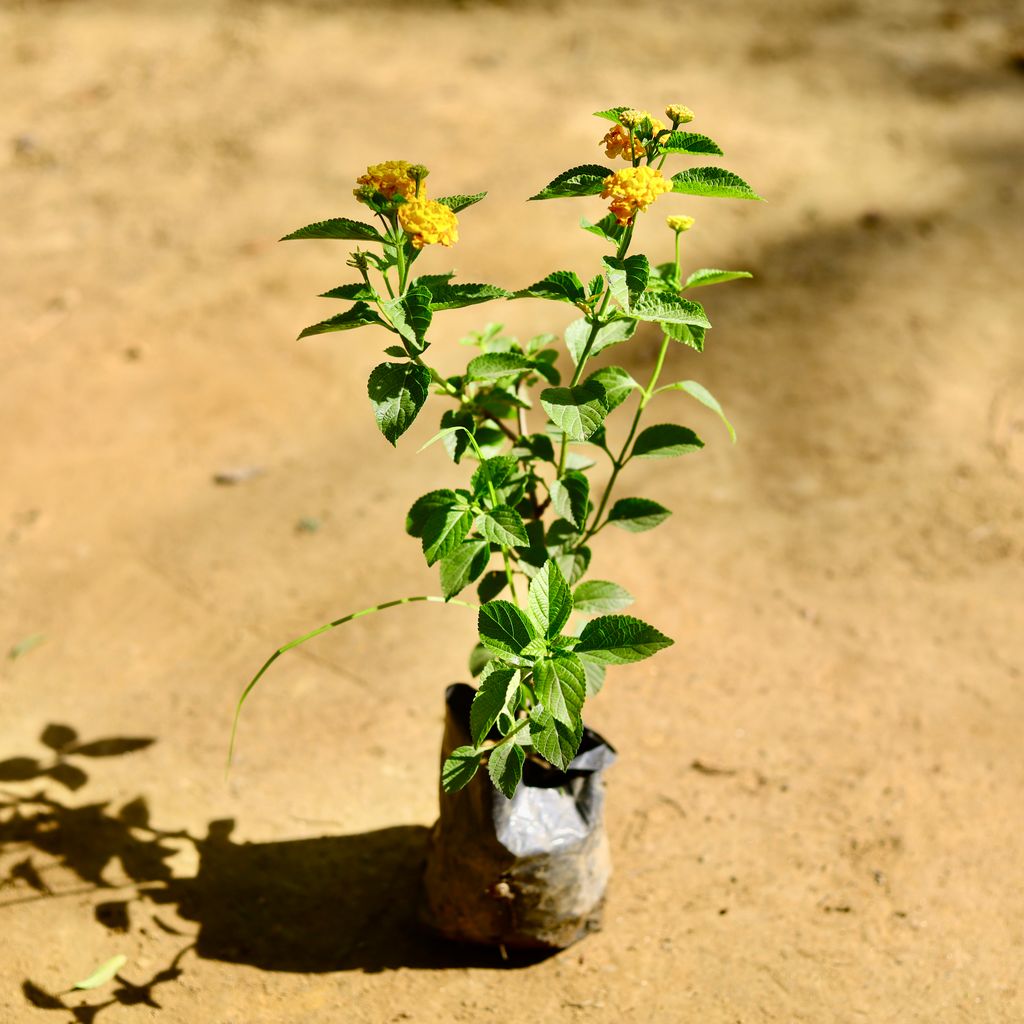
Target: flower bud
(678, 114)
(630, 118)
(364, 193)
(679, 222)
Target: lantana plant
(522, 527)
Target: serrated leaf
(425, 506)
(496, 470)
(577, 411)
(457, 441)
(463, 565)
(570, 497)
(505, 767)
(550, 602)
(578, 333)
(455, 296)
(664, 441)
(560, 285)
(360, 315)
(688, 142)
(104, 973)
(410, 315)
(503, 628)
(664, 308)
(496, 365)
(459, 203)
(627, 279)
(637, 514)
(497, 693)
(574, 564)
(617, 384)
(555, 741)
(595, 672)
(598, 597)
(607, 228)
(701, 393)
(537, 445)
(584, 180)
(712, 181)
(444, 531)
(479, 658)
(561, 686)
(338, 227)
(360, 290)
(611, 114)
(687, 335)
(620, 639)
(503, 525)
(459, 768)
(707, 275)
(433, 281)
(397, 392)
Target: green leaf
(496, 365)
(359, 290)
(556, 741)
(397, 392)
(537, 445)
(607, 228)
(536, 648)
(706, 276)
(598, 597)
(425, 506)
(410, 315)
(701, 393)
(617, 384)
(498, 692)
(459, 203)
(104, 973)
(550, 602)
(611, 114)
(560, 285)
(585, 180)
(570, 495)
(712, 181)
(505, 767)
(595, 674)
(463, 565)
(627, 279)
(479, 658)
(491, 585)
(360, 315)
(504, 628)
(664, 441)
(455, 296)
(496, 470)
(444, 531)
(620, 639)
(503, 525)
(577, 411)
(688, 335)
(688, 142)
(561, 686)
(637, 514)
(614, 333)
(574, 564)
(459, 768)
(663, 308)
(457, 441)
(432, 281)
(338, 227)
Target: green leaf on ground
(397, 392)
(105, 972)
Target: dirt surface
(816, 815)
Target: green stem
(316, 632)
(519, 726)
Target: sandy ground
(845, 585)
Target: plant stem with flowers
(528, 502)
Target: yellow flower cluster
(428, 222)
(389, 178)
(678, 114)
(679, 222)
(616, 141)
(633, 189)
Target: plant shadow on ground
(330, 903)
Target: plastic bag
(527, 873)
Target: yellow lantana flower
(616, 140)
(428, 222)
(389, 178)
(678, 114)
(679, 222)
(633, 189)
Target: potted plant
(518, 857)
